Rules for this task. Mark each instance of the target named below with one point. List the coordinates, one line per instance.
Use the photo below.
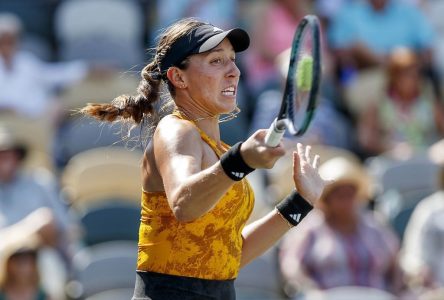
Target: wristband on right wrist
(233, 164)
(294, 208)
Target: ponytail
(136, 108)
(127, 106)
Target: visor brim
(238, 38)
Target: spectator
(19, 276)
(22, 196)
(27, 84)
(37, 17)
(406, 117)
(328, 9)
(336, 245)
(222, 13)
(363, 33)
(269, 41)
(21, 193)
(22, 280)
(423, 247)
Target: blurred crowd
(69, 186)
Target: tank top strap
(212, 143)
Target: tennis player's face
(212, 78)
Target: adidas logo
(296, 217)
(238, 174)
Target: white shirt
(28, 87)
(424, 238)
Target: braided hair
(136, 108)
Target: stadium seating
(112, 221)
(260, 279)
(99, 174)
(105, 267)
(101, 31)
(114, 294)
(98, 88)
(402, 185)
(349, 293)
(81, 134)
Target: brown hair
(136, 107)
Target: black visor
(202, 39)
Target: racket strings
(300, 93)
(302, 78)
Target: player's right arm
(193, 190)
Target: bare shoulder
(173, 134)
(172, 140)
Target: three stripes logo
(296, 217)
(239, 175)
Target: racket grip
(274, 135)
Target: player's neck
(207, 123)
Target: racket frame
(285, 116)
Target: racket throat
(280, 125)
(275, 133)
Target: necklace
(225, 118)
(231, 115)
(187, 117)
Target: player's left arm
(265, 232)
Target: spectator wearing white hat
(341, 244)
(21, 242)
(31, 211)
(23, 193)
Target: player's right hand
(257, 154)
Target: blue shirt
(27, 193)
(398, 24)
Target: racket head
(303, 77)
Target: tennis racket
(302, 85)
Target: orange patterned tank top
(209, 247)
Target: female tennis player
(195, 198)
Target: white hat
(341, 170)
(9, 142)
(9, 23)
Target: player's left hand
(307, 180)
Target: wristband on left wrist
(294, 208)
